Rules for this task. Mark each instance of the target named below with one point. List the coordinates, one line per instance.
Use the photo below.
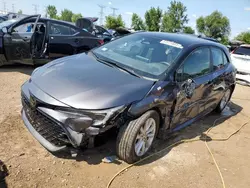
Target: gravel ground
(187, 165)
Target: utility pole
(36, 7)
(4, 6)
(114, 9)
(101, 13)
(13, 8)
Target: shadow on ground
(3, 173)
(24, 69)
(107, 142)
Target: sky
(238, 11)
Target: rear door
(17, 42)
(218, 76)
(196, 68)
(66, 39)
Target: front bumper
(243, 78)
(43, 141)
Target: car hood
(241, 62)
(80, 81)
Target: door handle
(77, 41)
(26, 39)
(52, 38)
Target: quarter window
(197, 64)
(225, 59)
(218, 60)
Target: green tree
(188, 30)
(244, 37)
(175, 18)
(114, 22)
(153, 19)
(19, 11)
(66, 15)
(51, 11)
(137, 23)
(76, 17)
(214, 25)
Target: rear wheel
(225, 99)
(135, 139)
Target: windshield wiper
(113, 64)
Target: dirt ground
(187, 165)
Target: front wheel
(223, 103)
(135, 139)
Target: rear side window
(59, 29)
(242, 51)
(197, 64)
(218, 60)
(73, 31)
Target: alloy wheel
(225, 99)
(145, 137)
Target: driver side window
(24, 28)
(195, 65)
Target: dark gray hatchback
(145, 84)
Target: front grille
(47, 128)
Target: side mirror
(5, 30)
(189, 87)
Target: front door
(17, 41)
(194, 80)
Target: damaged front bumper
(59, 129)
(243, 78)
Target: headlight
(93, 117)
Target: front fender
(161, 98)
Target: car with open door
(89, 24)
(36, 40)
(144, 85)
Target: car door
(17, 41)
(62, 40)
(193, 78)
(219, 64)
(65, 39)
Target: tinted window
(242, 51)
(59, 29)
(196, 64)
(73, 31)
(146, 55)
(218, 60)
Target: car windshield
(147, 56)
(7, 23)
(242, 51)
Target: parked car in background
(36, 40)
(3, 18)
(88, 24)
(145, 85)
(241, 59)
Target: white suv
(241, 60)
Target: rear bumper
(40, 139)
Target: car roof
(183, 39)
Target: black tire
(126, 140)
(220, 107)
